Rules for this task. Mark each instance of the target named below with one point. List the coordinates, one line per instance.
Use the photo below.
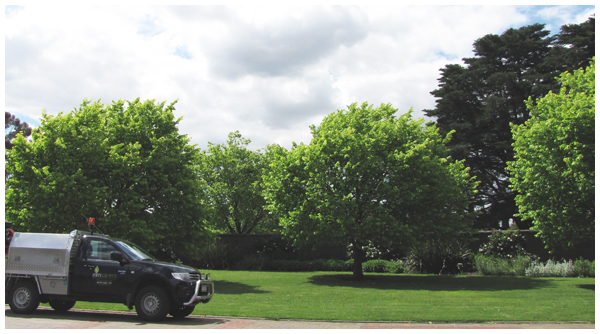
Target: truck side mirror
(117, 256)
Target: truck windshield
(134, 251)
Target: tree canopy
(368, 177)
(124, 164)
(233, 175)
(481, 99)
(554, 170)
(14, 127)
(575, 46)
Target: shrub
(379, 252)
(520, 264)
(375, 266)
(318, 265)
(551, 269)
(500, 266)
(395, 267)
(435, 257)
(251, 262)
(217, 255)
(504, 244)
(287, 265)
(584, 268)
(338, 265)
(274, 248)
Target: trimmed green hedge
(372, 266)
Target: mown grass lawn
(393, 297)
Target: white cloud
(269, 72)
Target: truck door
(96, 274)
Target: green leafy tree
(369, 178)
(124, 164)
(233, 175)
(554, 168)
(12, 128)
(481, 99)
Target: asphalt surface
(46, 318)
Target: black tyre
(24, 297)
(182, 312)
(152, 303)
(62, 305)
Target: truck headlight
(181, 276)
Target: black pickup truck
(61, 269)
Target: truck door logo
(103, 279)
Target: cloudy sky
(268, 72)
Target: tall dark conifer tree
(482, 98)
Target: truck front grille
(195, 277)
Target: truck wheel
(62, 305)
(152, 303)
(25, 297)
(182, 312)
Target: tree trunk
(358, 255)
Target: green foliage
(554, 170)
(251, 262)
(15, 127)
(551, 269)
(502, 266)
(371, 266)
(216, 255)
(482, 98)
(575, 46)
(526, 266)
(374, 266)
(313, 265)
(368, 177)
(584, 268)
(233, 175)
(439, 257)
(124, 164)
(564, 268)
(504, 244)
(275, 249)
(383, 266)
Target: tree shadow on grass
(235, 288)
(587, 286)
(432, 283)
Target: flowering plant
(504, 244)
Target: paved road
(46, 318)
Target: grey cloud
(277, 112)
(285, 50)
(19, 54)
(194, 13)
(34, 83)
